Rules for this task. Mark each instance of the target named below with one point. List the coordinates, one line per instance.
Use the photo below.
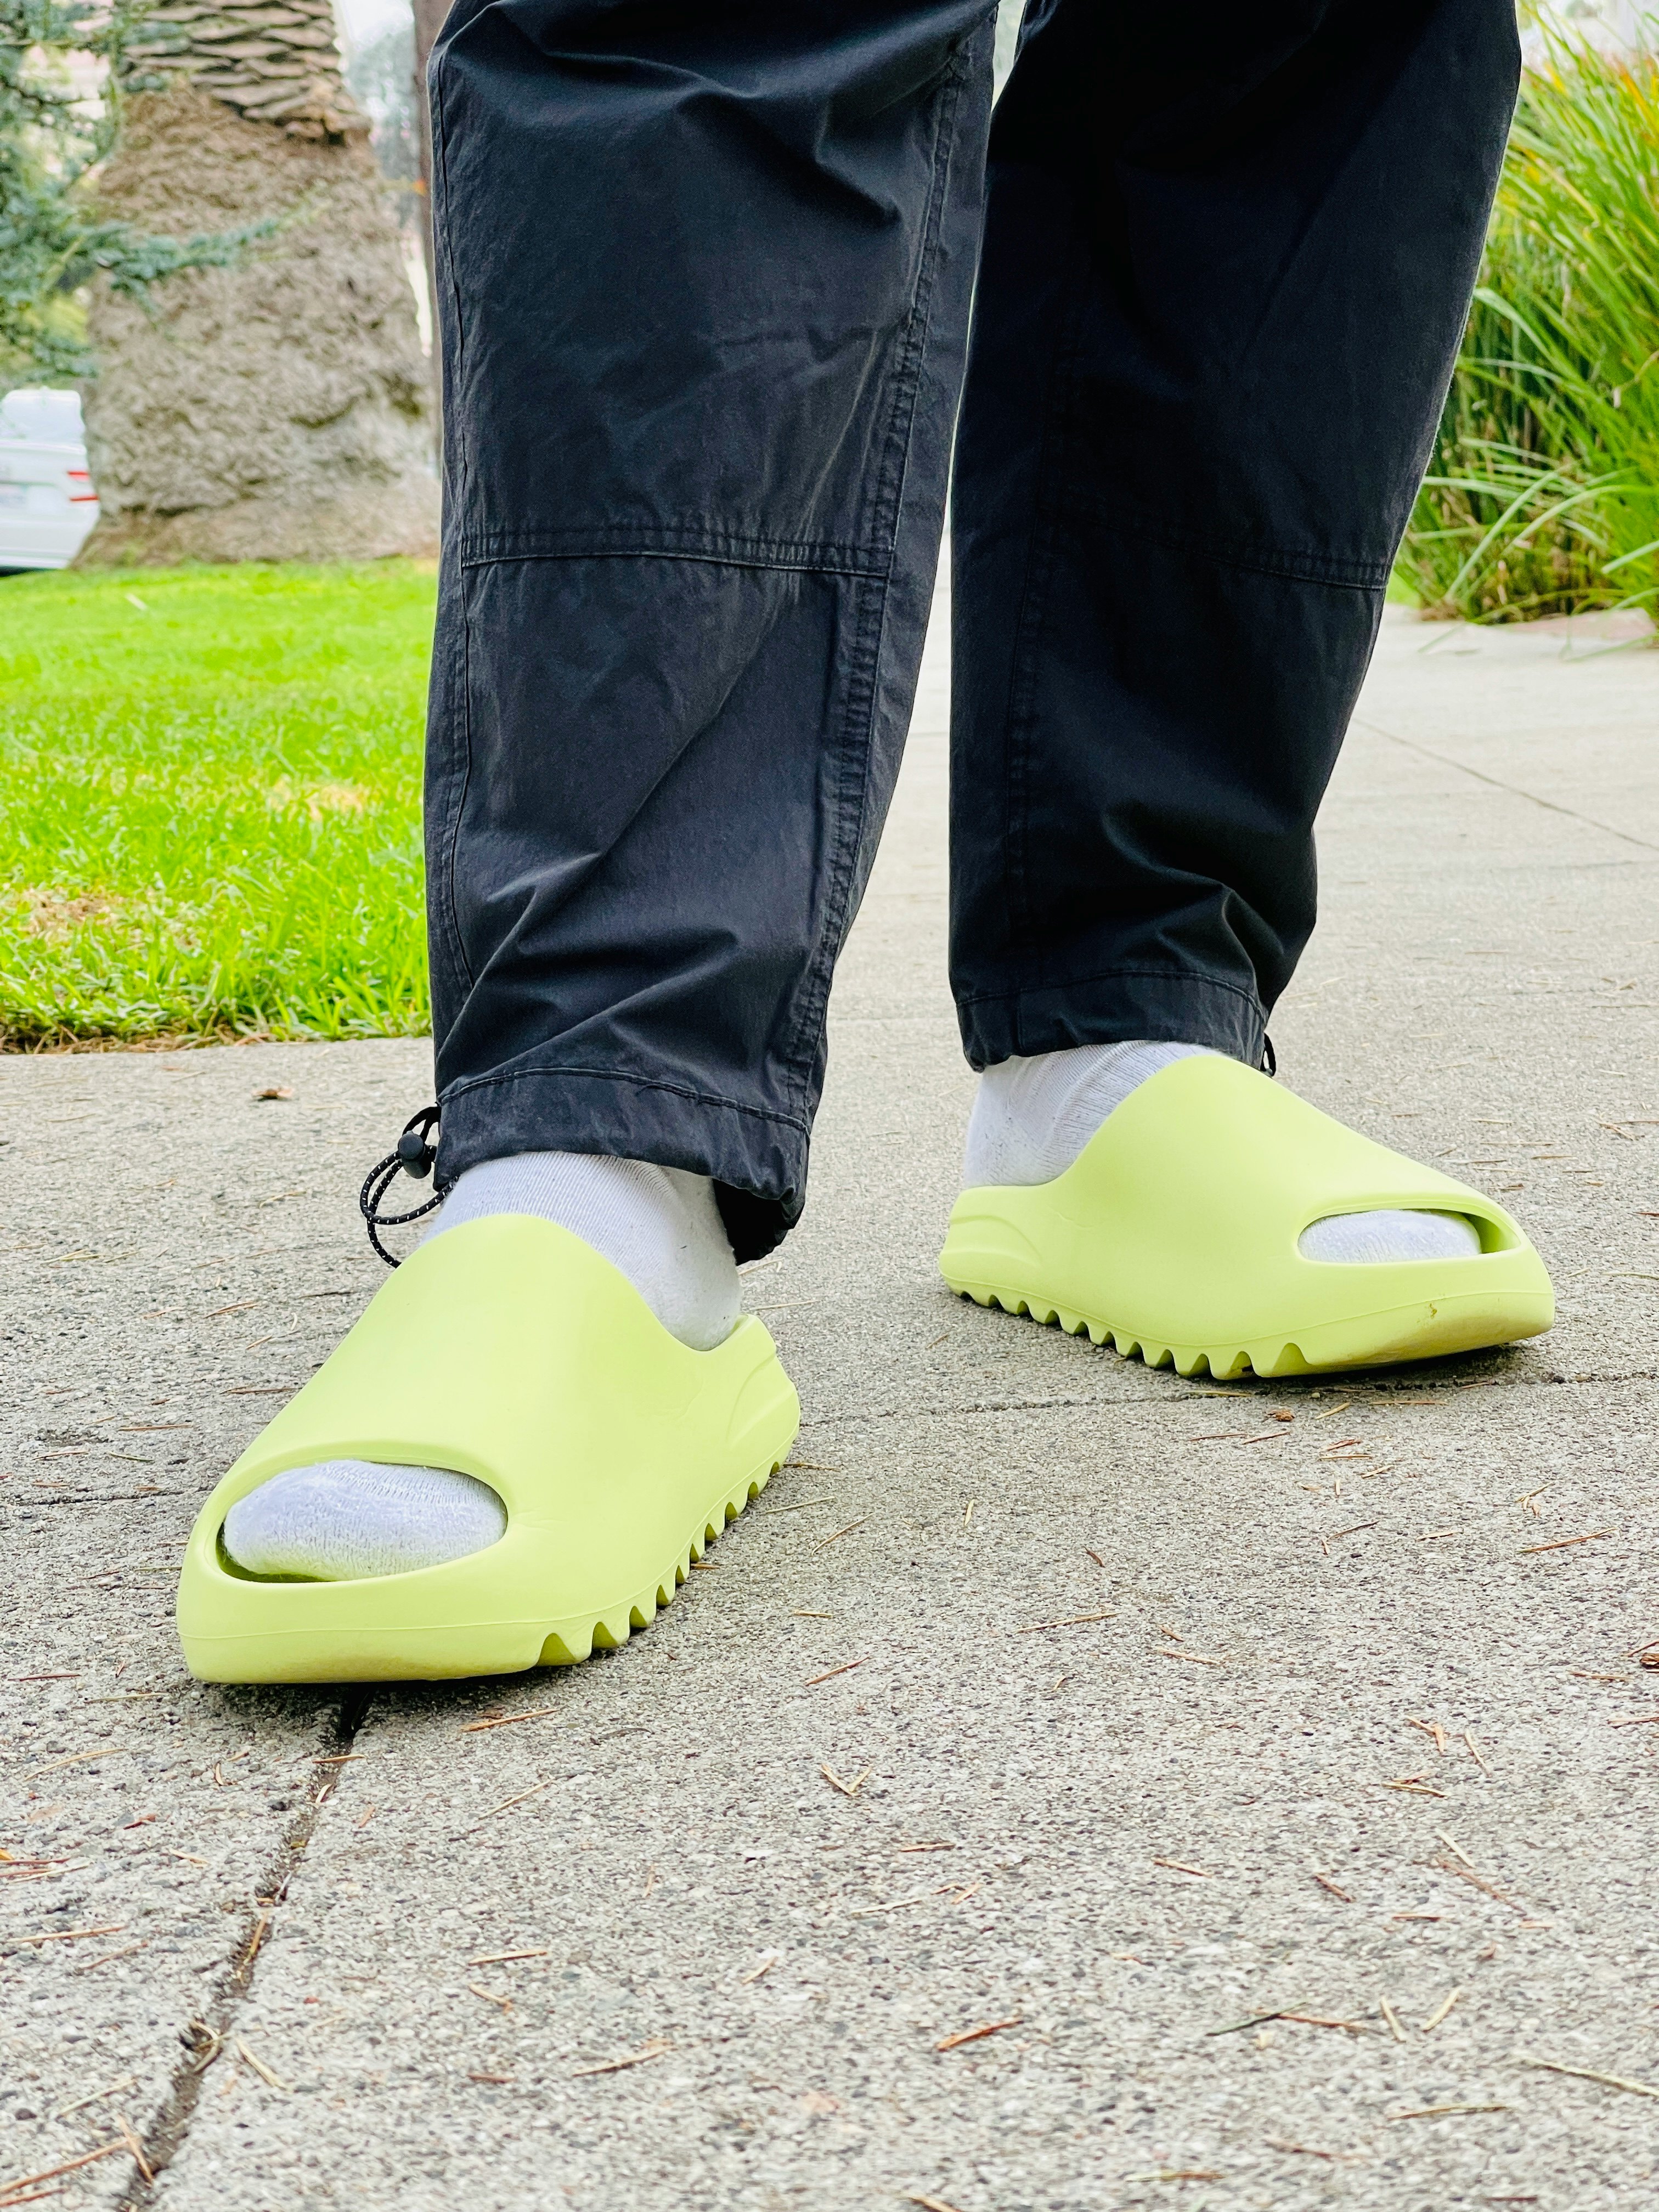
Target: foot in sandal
(509, 1461)
(1193, 1210)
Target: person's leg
(705, 276)
(1228, 254)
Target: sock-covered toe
(1391, 1233)
(346, 1519)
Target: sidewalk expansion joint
(1514, 790)
(206, 2037)
(1103, 1401)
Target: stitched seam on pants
(446, 793)
(640, 1081)
(733, 549)
(846, 811)
(453, 433)
(1028, 632)
(1127, 515)
(452, 909)
(1110, 975)
(444, 890)
(888, 503)
(858, 716)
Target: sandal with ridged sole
(509, 1350)
(1175, 1234)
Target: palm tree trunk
(280, 408)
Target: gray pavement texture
(1272, 1768)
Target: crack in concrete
(1379, 1393)
(205, 2037)
(1497, 783)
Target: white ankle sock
(659, 1226)
(1031, 1118)
(347, 1518)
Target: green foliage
(52, 240)
(210, 803)
(1543, 496)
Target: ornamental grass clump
(1543, 496)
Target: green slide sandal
(1174, 1233)
(509, 1350)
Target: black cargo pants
(705, 276)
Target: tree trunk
(279, 409)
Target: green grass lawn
(210, 803)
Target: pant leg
(705, 276)
(1229, 251)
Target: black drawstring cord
(416, 1155)
(1269, 1057)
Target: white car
(47, 504)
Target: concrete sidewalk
(1269, 1786)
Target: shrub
(1543, 494)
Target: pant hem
(1170, 1005)
(757, 1158)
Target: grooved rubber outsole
(1426, 1327)
(1263, 1360)
(1184, 1359)
(567, 1646)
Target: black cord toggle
(1269, 1057)
(416, 1155)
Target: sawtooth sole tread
(1225, 1364)
(610, 1630)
